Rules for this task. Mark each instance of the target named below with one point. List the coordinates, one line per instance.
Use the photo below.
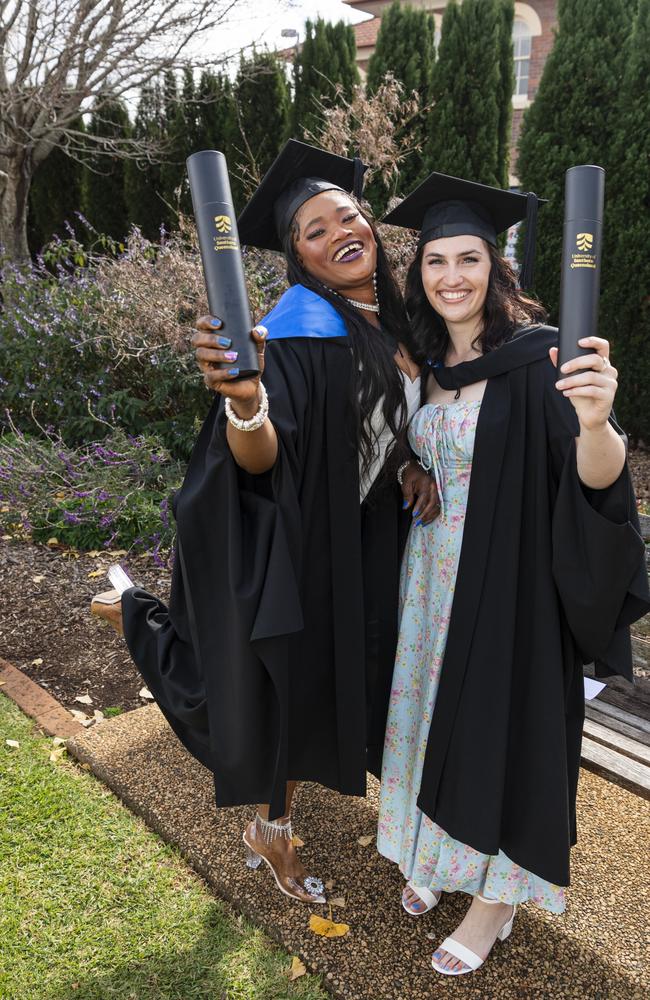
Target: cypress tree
(262, 107)
(506, 9)
(55, 195)
(104, 178)
(406, 49)
(143, 183)
(572, 120)
(626, 262)
(182, 131)
(467, 82)
(215, 113)
(327, 59)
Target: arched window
(522, 41)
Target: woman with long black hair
(274, 659)
(534, 568)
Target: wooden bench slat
(615, 767)
(617, 741)
(617, 726)
(604, 708)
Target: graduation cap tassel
(359, 170)
(527, 270)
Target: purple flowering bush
(113, 493)
(90, 341)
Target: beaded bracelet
(255, 421)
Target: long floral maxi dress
(443, 436)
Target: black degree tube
(584, 199)
(221, 255)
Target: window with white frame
(522, 41)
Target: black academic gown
(551, 573)
(283, 611)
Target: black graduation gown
(551, 573)
(283, 611)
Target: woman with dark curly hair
(273, 662)
(534, 568)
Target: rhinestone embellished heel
(253, 859)
(259, 837)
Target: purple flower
(71, 518)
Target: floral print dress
(443, 437)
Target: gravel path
(596, 951)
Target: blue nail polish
(416, 513)
(224, 341)
(418, 523)
(233, 371)
(216, 323)
(405, 504)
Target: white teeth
(346, 249)
(454, 296)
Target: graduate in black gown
(540, 549)
(281, 626)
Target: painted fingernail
(233, 371)
(405, 504)
(223, 341)
(216, 322)
(416, 513)
(231, 355)
(418, 523)
(262, 331)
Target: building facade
(533, 37)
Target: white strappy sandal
(430, 899)
(471, 960)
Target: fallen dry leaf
(53, 541)
(14, 744)
(327, 928)
(94, 553)
(145, 693)
(79, 715)
(365, 840)
(84, 699)
(338, 902)
(297, 968)
(7, 538)
(58, 741)
(2, 683)
(296, 841)
(330, 884)
(37, 662)
(56, 754)
(37, 579)
(98, 715)
(96, 572)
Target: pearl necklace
(361, 305)
(369, 307)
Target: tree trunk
(15, 180)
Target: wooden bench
(616, 740)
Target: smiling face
(334, 242)
(455, 274)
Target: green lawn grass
(93, 905)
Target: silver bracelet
(402, 469)
(255, 421)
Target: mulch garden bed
(46, 628)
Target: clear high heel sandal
(260, 834)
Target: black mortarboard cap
(297, 174)
(449, 206)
